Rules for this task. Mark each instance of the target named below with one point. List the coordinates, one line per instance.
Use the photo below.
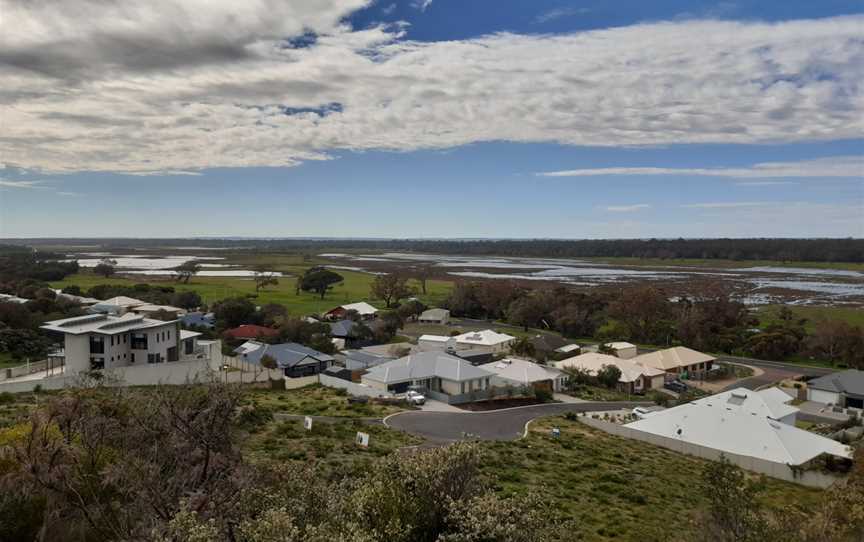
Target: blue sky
(436, 119)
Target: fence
(780, 471)
(47, 366)
(352, 387)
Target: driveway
(505, 424)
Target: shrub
(6, 398)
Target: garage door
(822, 396)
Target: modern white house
(442, 376)
(753, 429)
(435, 316)
(520, 372)
(488, 340)
(678, 360)
(103, 341)
(635, 378)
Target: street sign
(307, 423)
(362, 439)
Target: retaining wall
(352, 387)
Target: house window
(132, 358)
(124, 339)
(97, 345)
(97, 363)
(462, 387)
(139, 341)
(153, 358)
(187, 346)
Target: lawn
(617, 489)
(354, 288)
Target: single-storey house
(359, 360)
(544, 344)
(150, 310)
(678, 360)
(623, 350)
(116, 305)
(740, 422)
(442, 376)
(635, 378)
(251, 331)
(572, 349)
(520, 372)
(365, 310)
(294, 360)
(488, 340)
(435, 316)
(80, 299)
(199, 319)
(845, 389)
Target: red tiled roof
(251, 331)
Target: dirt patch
(716, 386)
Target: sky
(432, 118)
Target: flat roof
(103, 324)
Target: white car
(641, 412)
(415, 397)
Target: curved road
(506, 424)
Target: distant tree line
(712, 320)
(807, 250)
(21, 262)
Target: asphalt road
(507, 424)
(774, 371)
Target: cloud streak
(837, 166)
(627, 208)
(102, 85)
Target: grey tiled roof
(426, 365)
(286, 354)
(850, 382)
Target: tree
(272, 314)
(411, 310)
(523, 347)
(72, 289)
(24, 343)
(423, 273)
(106, 267)
(835, 340)
(319, 280)
(647, 313)
(269, 362)
(187, 300)
(390, 288)
(607, 350)
(526, 312)
(234, 311)
(265, 277)
(608, 376)
(187, 270)
(734, 513)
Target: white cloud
(559, 13)
(836, 166)
(8, 183)
(730, 204)
(387, 10)
(627, 208)
(105, 85)
(69, 194)
(422, 5)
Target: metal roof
(849, 382)
(740, 422)
(286, 354)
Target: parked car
(641, 412)
(676, 385)
(415, 397)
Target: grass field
(7, 361)
(855, 316)
(617, 489)
(354, 288)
